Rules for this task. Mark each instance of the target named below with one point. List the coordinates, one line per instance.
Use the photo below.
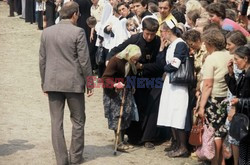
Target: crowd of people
(168, 32)
(142, 41)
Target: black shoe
(21, 18)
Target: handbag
(99, 56)
(207, 149)
(195, 137)
(240, 123)
(134, 111)
(185, 73)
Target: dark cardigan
(241, 89)
(114, 72)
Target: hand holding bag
(185, 73)
(195, 137)
(207, 149)
(240, 123)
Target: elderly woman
(234, 40)
(191, 18)
(198, 50)
(214, 88)
(241, 89)
(119, 67)
(171, 114)
(201, 23)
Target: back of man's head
(68, 10)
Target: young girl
(131, 26)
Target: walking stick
(119, 121)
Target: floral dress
(112, 107)
(216, 113)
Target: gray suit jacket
(64, 58)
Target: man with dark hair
(64, 68)
(147, 37)
(141, 10)
(123, 10)
(165, 8)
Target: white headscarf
(130, 51)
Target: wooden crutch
(119, 121)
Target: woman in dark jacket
(241, 89)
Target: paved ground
(24, 115)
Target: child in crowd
(92, 23)
(132, 26)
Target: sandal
(149, 145)
(127, 144)
(122, 147)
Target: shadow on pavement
(14, 146)
(101, 151)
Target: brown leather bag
(195, 137)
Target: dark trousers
(11, 5)
(101, 68)
(40, 20)
(18, 6)
(92, 52)
(50, 13)
(76, 106)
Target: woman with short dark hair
(217, 14)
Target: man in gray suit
(64, 68)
